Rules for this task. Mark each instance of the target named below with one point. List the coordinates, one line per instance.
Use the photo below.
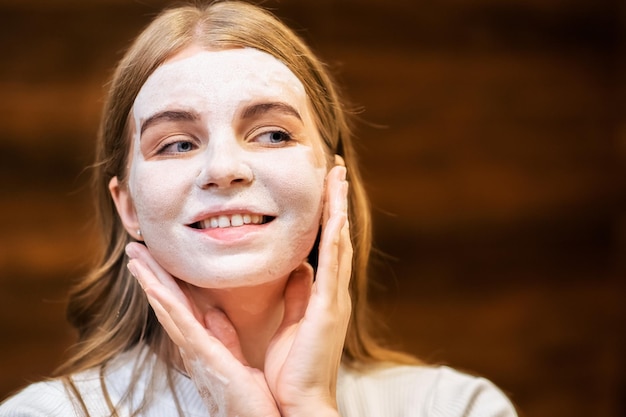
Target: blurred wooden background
(495, 157)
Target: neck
(255, 312)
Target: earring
(138, 232)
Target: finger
(344, 301)
(335, 175)
(197, 341)
(222, 328)
(297, 294)
(345, 249)
(329, 249)
(202, 350)
(138, 251)
(339, 160)
(175, 316)
(326, 202)
(162, 277)
(147, 281)
(345, 273)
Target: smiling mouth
(233, 220)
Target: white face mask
(227, 168)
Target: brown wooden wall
(495, 157)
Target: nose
(224, 165)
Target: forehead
(209, 77)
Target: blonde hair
(108, 308)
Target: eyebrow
(260, 109)
(169, 115)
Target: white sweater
(397, 391)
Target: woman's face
(227, 169)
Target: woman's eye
(274, 137)
(178, 147)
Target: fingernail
(339, 160)
(130, 251)
(342, 173)
(132, 269)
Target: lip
(229, 235)
(232, 234)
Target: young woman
(236, 242)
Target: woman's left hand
(303, 358)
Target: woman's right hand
(208, 344)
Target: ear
(125, 207)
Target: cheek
(300, 186)
(157, 191)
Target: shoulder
(67, 397)
(132, 382)
(420, 391)
(49, 398)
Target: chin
(232, 282)
(238, 275)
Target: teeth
(223, 221)
(234, 220)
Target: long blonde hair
(108, 308)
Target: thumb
(221, 327)
(297, 294)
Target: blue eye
(274, 137)
(182, 146)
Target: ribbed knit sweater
(395, 391)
